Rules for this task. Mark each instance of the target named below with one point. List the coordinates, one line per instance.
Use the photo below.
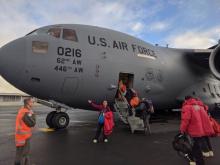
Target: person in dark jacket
(105, 121)
(195, 123)
(146, 108)
(129, 95)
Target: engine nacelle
(214, 62)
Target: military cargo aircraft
(67, 64)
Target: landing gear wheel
(60, 120)
(50, 118)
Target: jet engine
(214, 62)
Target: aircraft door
(70, 86)
(127, 79)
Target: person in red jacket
(207, 150)
(195, 123)
(105, 121)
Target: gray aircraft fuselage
(73, 63)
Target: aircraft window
(39, 47)
(69, 34)
(55, 32)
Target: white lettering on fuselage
(138, 50)
(69, 59)
(146, 56)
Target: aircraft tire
(60, 120)
(50, 118)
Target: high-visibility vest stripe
(20, 143)
(20, 132)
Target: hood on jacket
(191, 101)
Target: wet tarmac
(74, 145)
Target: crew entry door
(127, 79)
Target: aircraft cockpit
(57, 32)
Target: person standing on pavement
(105, 121)
(25, 121)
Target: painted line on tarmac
(78, 121)
(46, 129)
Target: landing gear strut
(57, 120)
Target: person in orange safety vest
(25, 120)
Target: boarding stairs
(135, 123)
(121, 108)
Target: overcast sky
(179, 23)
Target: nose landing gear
(57, 120)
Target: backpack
(181, 143)
(101, 119)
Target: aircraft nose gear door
(70, 85)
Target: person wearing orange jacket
(122, 90)
(105, 121)
(25, 119)
(195, 123)
(134, 102)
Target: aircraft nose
(12, 60)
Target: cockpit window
(70, 34)
(55, 32)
